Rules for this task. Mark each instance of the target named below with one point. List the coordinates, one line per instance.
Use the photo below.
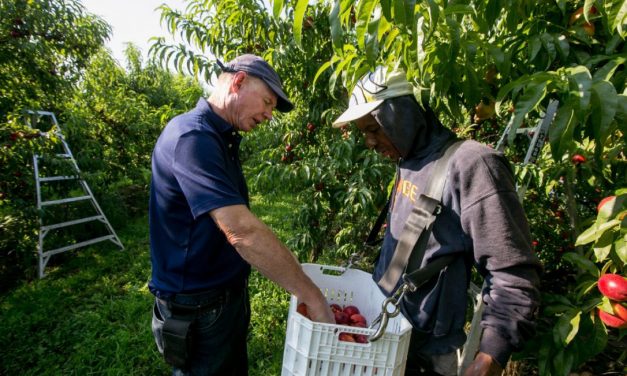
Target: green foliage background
(318, 187)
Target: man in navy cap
(203, 237)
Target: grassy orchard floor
(91, 314)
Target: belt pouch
(177, 340)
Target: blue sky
(133, 21)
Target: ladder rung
(68, 156)
(526, 130)
(71, 223)
(57, 178)
(65, 200)
(78, 245)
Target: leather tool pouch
(177, 340)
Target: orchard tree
(44, 45)
(113, 121)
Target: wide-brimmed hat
(371, 90)
(258, 67)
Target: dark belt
(198, 302)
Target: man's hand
(320, 311)
(483, 365)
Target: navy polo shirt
(195, 169)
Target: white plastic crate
(314, 349)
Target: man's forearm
(258, 245)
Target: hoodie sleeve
(494, 219)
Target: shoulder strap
(419, 222)
(374, 232)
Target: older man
(203, 237)
(481, 220)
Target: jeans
(419, 363)
(219, 334)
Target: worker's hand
(320, 311)
(484, 365)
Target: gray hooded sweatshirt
(482, 221)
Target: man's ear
(237, 81)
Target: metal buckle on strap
(393, 302)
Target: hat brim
(283, 104)
(356, 112)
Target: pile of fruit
(348, 315)
(614, 287)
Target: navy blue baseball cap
(258, 67)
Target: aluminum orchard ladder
(537, 136)
(33, 118)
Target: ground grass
(91, 314)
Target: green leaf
(324, 67)
(544, 355)
(399, 12)
(561, 131)
(336, 26)
(277, 7)
(553, 309)
(592, 337)
(534, 93)
(535, 45)
(604, 104)
(561, 363)
(595, 231)
(339, 69)
(299, 14)
(606, 72)
(574, 325)
(563, 47)
(410, 9)
(621, 110)
(585, 287)
(620, 18)
(386, 9)
(363, 16)
(499, 57)
(504, 90)
(603, 246)
(372, 41)
(582, 262)
(549, 46)
(580, 83)
(458, 9)
(620, 245)
(434, 16)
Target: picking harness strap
(412, 244)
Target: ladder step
(57, 178)
(65, 200)
(71, 223)
(67, 156)
(526, 130)
(78, 245)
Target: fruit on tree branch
(613, 286)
